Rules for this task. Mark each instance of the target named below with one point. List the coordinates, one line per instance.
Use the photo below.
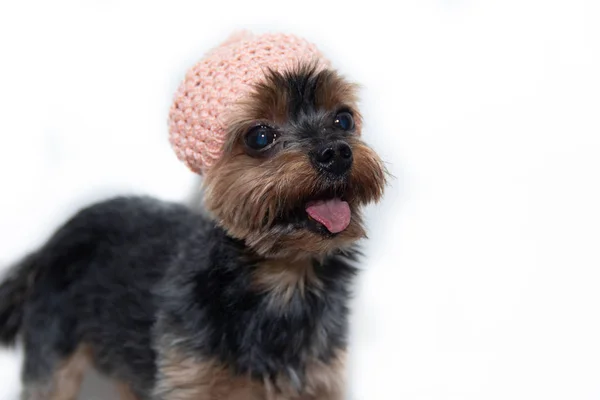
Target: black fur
(136, 278)
(309, 125)
(131, 274)
(308, 122)
(13, 293)
(302, 86)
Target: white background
(483, 273)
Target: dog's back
(92, 282)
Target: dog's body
(246, 301)
(149, 289)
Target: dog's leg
(125, 392)
(328, 396)
(182, 377)
(327, 381)
(187, 378)
(59, 380)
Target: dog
(247, 299)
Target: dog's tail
(13, 295)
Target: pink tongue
(334, 214)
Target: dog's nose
(335, 157)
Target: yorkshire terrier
(246, 300)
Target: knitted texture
(222, 78)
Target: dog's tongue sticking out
(334, 214)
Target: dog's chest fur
(257, 317)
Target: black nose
(335, 157)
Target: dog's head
(294, 172)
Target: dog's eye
(260, 137)
(344, 121)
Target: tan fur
(125, 392)
(334, 92)
(323, 382)
(368, 176)
(65, 382)
(327, 381)
(186, 378)
(282, 278)
(247, 193)
(268, 102)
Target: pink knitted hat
(224, 76)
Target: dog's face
(295, 173)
